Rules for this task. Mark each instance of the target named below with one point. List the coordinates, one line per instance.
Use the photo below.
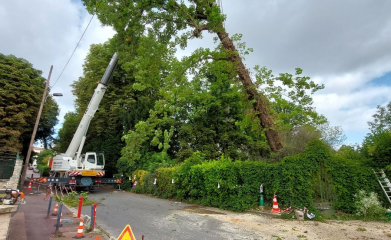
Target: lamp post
(27, 160)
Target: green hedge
(298, 181)
(348, 178)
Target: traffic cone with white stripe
(29, 187)
(80, 233)
(275, 208)
(55, 210)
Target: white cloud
(343, 44)
(45, 33)
(352, 110)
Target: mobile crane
(74, 169)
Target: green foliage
(138, 176)
(377, 144)
(295, 140)
(44, 170)
(381, 120)
(332, 135)
(348, 178)
(42, 161)
(47, 122)
(380, 150)
(289, 97)
(170, 108)
(43, 156)
(68, 129)
(387, 170)
(149, 41)
(368, 205)
(21, 88)
(350, 152)
(300, 180)
(72, 199)
(84, 194)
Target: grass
(75, 202)
(348, 217)
(72, 199)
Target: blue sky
(342, 44)
(384, 80)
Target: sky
(345, 45)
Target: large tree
(128, 98)
(21, 89)
(66, 132)
(381, 120)
(182, 21)
(377, 143)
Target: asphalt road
(163, 219)
(30, 173)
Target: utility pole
(27, 160)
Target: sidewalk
(30, 221)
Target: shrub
(44, 170)
(387, 171)
(298, 180)
(348, 178)
(368, 205)
(164, 186)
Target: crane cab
(92, 161)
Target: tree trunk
(261, 105)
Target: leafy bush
(72, 199)
(42, 160)
(298, 181)
(43, 156)
(348, 178)
(387, 171)
(368, 205)
(44, 170)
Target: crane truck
(74, 169)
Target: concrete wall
(14, 180)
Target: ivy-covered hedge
(298, 181)
(348, 178)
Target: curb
(264, 213)
(87, 222)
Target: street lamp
(27, 160)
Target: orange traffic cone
(80, 230)
(275, 205)
(29, 187)
(55, 210)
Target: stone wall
(14, 180)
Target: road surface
(161, 219)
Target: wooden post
(26, 163)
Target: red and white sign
(127, 234)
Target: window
(101, 159)
(91, 159)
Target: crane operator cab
(93, 161)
